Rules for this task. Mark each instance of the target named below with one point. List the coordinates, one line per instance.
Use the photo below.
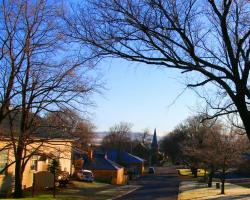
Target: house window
(3, 159)
(33, 163)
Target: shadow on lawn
(235, 197)
(74, 190)
(79, 190)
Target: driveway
(163, 185)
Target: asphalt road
(163, 185)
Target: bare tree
(119, 138)
(212, 146)
(144, 138)
(201, 140)
(37, 74)
(226, 149)
(69, 124)
(207, 40)
(172, 142)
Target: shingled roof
(100, 162)
(123, 157)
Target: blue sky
(142, 95)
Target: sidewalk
(189, 190)
(118, 191)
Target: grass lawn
(187, 172)
(83, 191)
(75, 190)
(189, 190)
(89, 185)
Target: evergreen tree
(54, 168)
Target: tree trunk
(54, 186)
(223, 177)
(205, 175)
(210, 177)
(18, 193)
(195, 173)
(243, 110)
(245, 120)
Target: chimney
(90, 154)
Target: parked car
(63, 178)
(85, 175)
(151, 170)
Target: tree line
(210, 145)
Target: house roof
(100, 162)
(123, 157)
(132, 158)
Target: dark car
(63, 178)
(151, 170)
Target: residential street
(161, 186)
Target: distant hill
(100, 135)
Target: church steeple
(154, 144)
(154, 151)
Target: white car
(85, 175)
